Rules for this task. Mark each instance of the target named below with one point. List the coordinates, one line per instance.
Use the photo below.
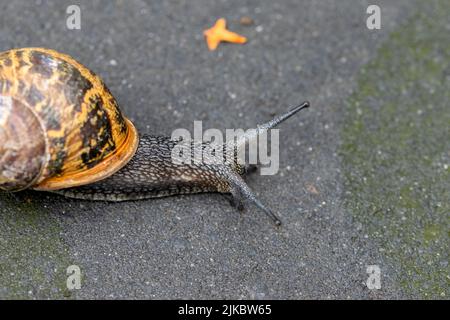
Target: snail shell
(60, 126)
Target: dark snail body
(151, 173)
(61, 130)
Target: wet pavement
(364, 173)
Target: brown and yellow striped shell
(60, 126)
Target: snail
(61, 130)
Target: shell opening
(22, 146)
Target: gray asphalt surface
(153, 57)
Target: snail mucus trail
(61, 131)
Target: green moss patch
(34, 258)
(396, 151)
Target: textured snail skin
(151, 173)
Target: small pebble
(311, 189)
(246, 21)
(259, 29)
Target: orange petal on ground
(219, 33)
